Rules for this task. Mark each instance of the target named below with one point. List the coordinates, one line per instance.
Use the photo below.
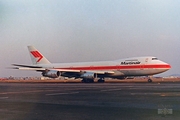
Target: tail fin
(36, 56)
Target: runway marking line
(4, 98)
(34, 91)
(162, 95)
(145, 93)
(170, 94)
(110, 90)
(62, 93)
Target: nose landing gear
(149, 80)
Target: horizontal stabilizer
(29, 66)
(26, 68)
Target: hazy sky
(88, 30)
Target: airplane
(89, 71)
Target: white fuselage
(137, 66)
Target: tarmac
(92, 101)
(134, 80)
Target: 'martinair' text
(130, 63)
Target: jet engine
(88, 75)
(51, 74)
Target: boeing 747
(89, 71)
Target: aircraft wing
(100, 72)
(39, 68)
(83, 71)
(65, 72)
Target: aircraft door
(146, 60)
(145, 63)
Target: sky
(88, 30)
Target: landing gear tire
(149, 81)
(91, 81)
(83, 81)
(101, 81)
(87, 80)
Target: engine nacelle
(51, 74)
(88, 75)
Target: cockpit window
(154, 58)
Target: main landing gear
(101, 80)
(86, 80)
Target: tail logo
(36, 54)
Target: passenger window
(154, 58)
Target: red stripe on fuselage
(124, 67)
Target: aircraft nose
(167, 66)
